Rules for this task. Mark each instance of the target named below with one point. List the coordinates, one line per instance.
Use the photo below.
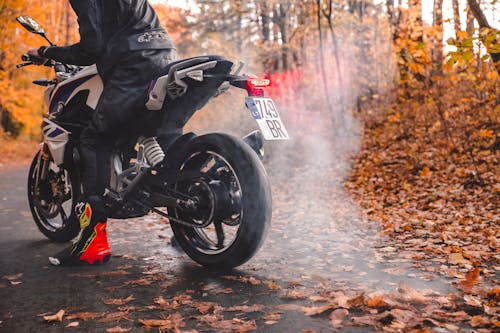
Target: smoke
(317, 229)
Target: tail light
(259, 83)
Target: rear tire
(233, 169)
(52, 201)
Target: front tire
(53, 199)
(235, 175)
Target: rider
(126, 41)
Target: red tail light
(259, 83)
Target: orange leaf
(470, 278)
(357, 301)
(425, 173)
(273, 285)
(377, 301)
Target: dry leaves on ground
(55, 317)
(118, 301)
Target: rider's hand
(36, 57)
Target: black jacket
(109, 28)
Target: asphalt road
(318, 237)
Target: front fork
(43, 164)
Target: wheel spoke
(209, 164)
(220, 234)
(64, 217)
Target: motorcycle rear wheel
(52, 200)
(236, 176)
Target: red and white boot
(91, 246)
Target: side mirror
(31, 25)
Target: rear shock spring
(152, 151)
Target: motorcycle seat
(174, 79)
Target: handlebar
(29, 60)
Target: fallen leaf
(337, 317)
(272, 316)
(158, 323)
(56, 317)
(457, 259)
(273, 285)
(411, 295)
(365, 320)
(84, 316)
(316, 310)
(294, 294)
(164, 305)
(357, 301)
(377, 302)
(120, 272)
(425, 173)
(289, 307)
(316, 298)
(183, 299)
(117, 329)
(493, 296)
(205, 307)
(73, 324)
(12, 277)
(246, 308)
(250, 279)
(113, 317)
(118, 301)
(141, 282)
(478, 321)
(172, 322)
(470, 278)
(225, 291)
(472, 301)
(341, 299)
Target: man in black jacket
(126, 41)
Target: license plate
(266, 115)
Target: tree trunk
(470, 23)
(329, 16)
(483, 23)
(437, 51)
(322, 58)
(456, 17)
(264, 17)
(280, 19)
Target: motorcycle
(213, 189)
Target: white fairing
(56, 138)
(94, 85)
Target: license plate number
(266, 115)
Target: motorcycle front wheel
(51, 197)
(233, 199)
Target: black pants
(120, 113)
